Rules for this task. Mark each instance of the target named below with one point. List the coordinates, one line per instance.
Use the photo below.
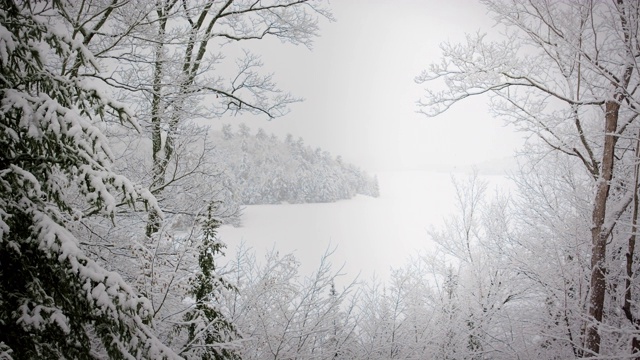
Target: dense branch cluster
(567, 73)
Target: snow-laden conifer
(55, 300)
(210, 334)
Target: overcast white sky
(358, 82)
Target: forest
(262, 169)
(111, 194)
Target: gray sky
(360, 93)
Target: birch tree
(567, 73)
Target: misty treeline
(110, 196)
(262, 169)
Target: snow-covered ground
(371, 235)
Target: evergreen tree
(210, 333)
(55, 301)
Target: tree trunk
(153, 222)
(598, 236)
(635, 342)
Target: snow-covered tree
(210, 335)
(166, 61)
(56, 301)
(179, 77)
(284, 314)
(475, 275)
(567, 73)
(552, 213)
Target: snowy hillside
(262, 169)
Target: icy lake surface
(370, 235)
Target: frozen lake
(371, 235)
